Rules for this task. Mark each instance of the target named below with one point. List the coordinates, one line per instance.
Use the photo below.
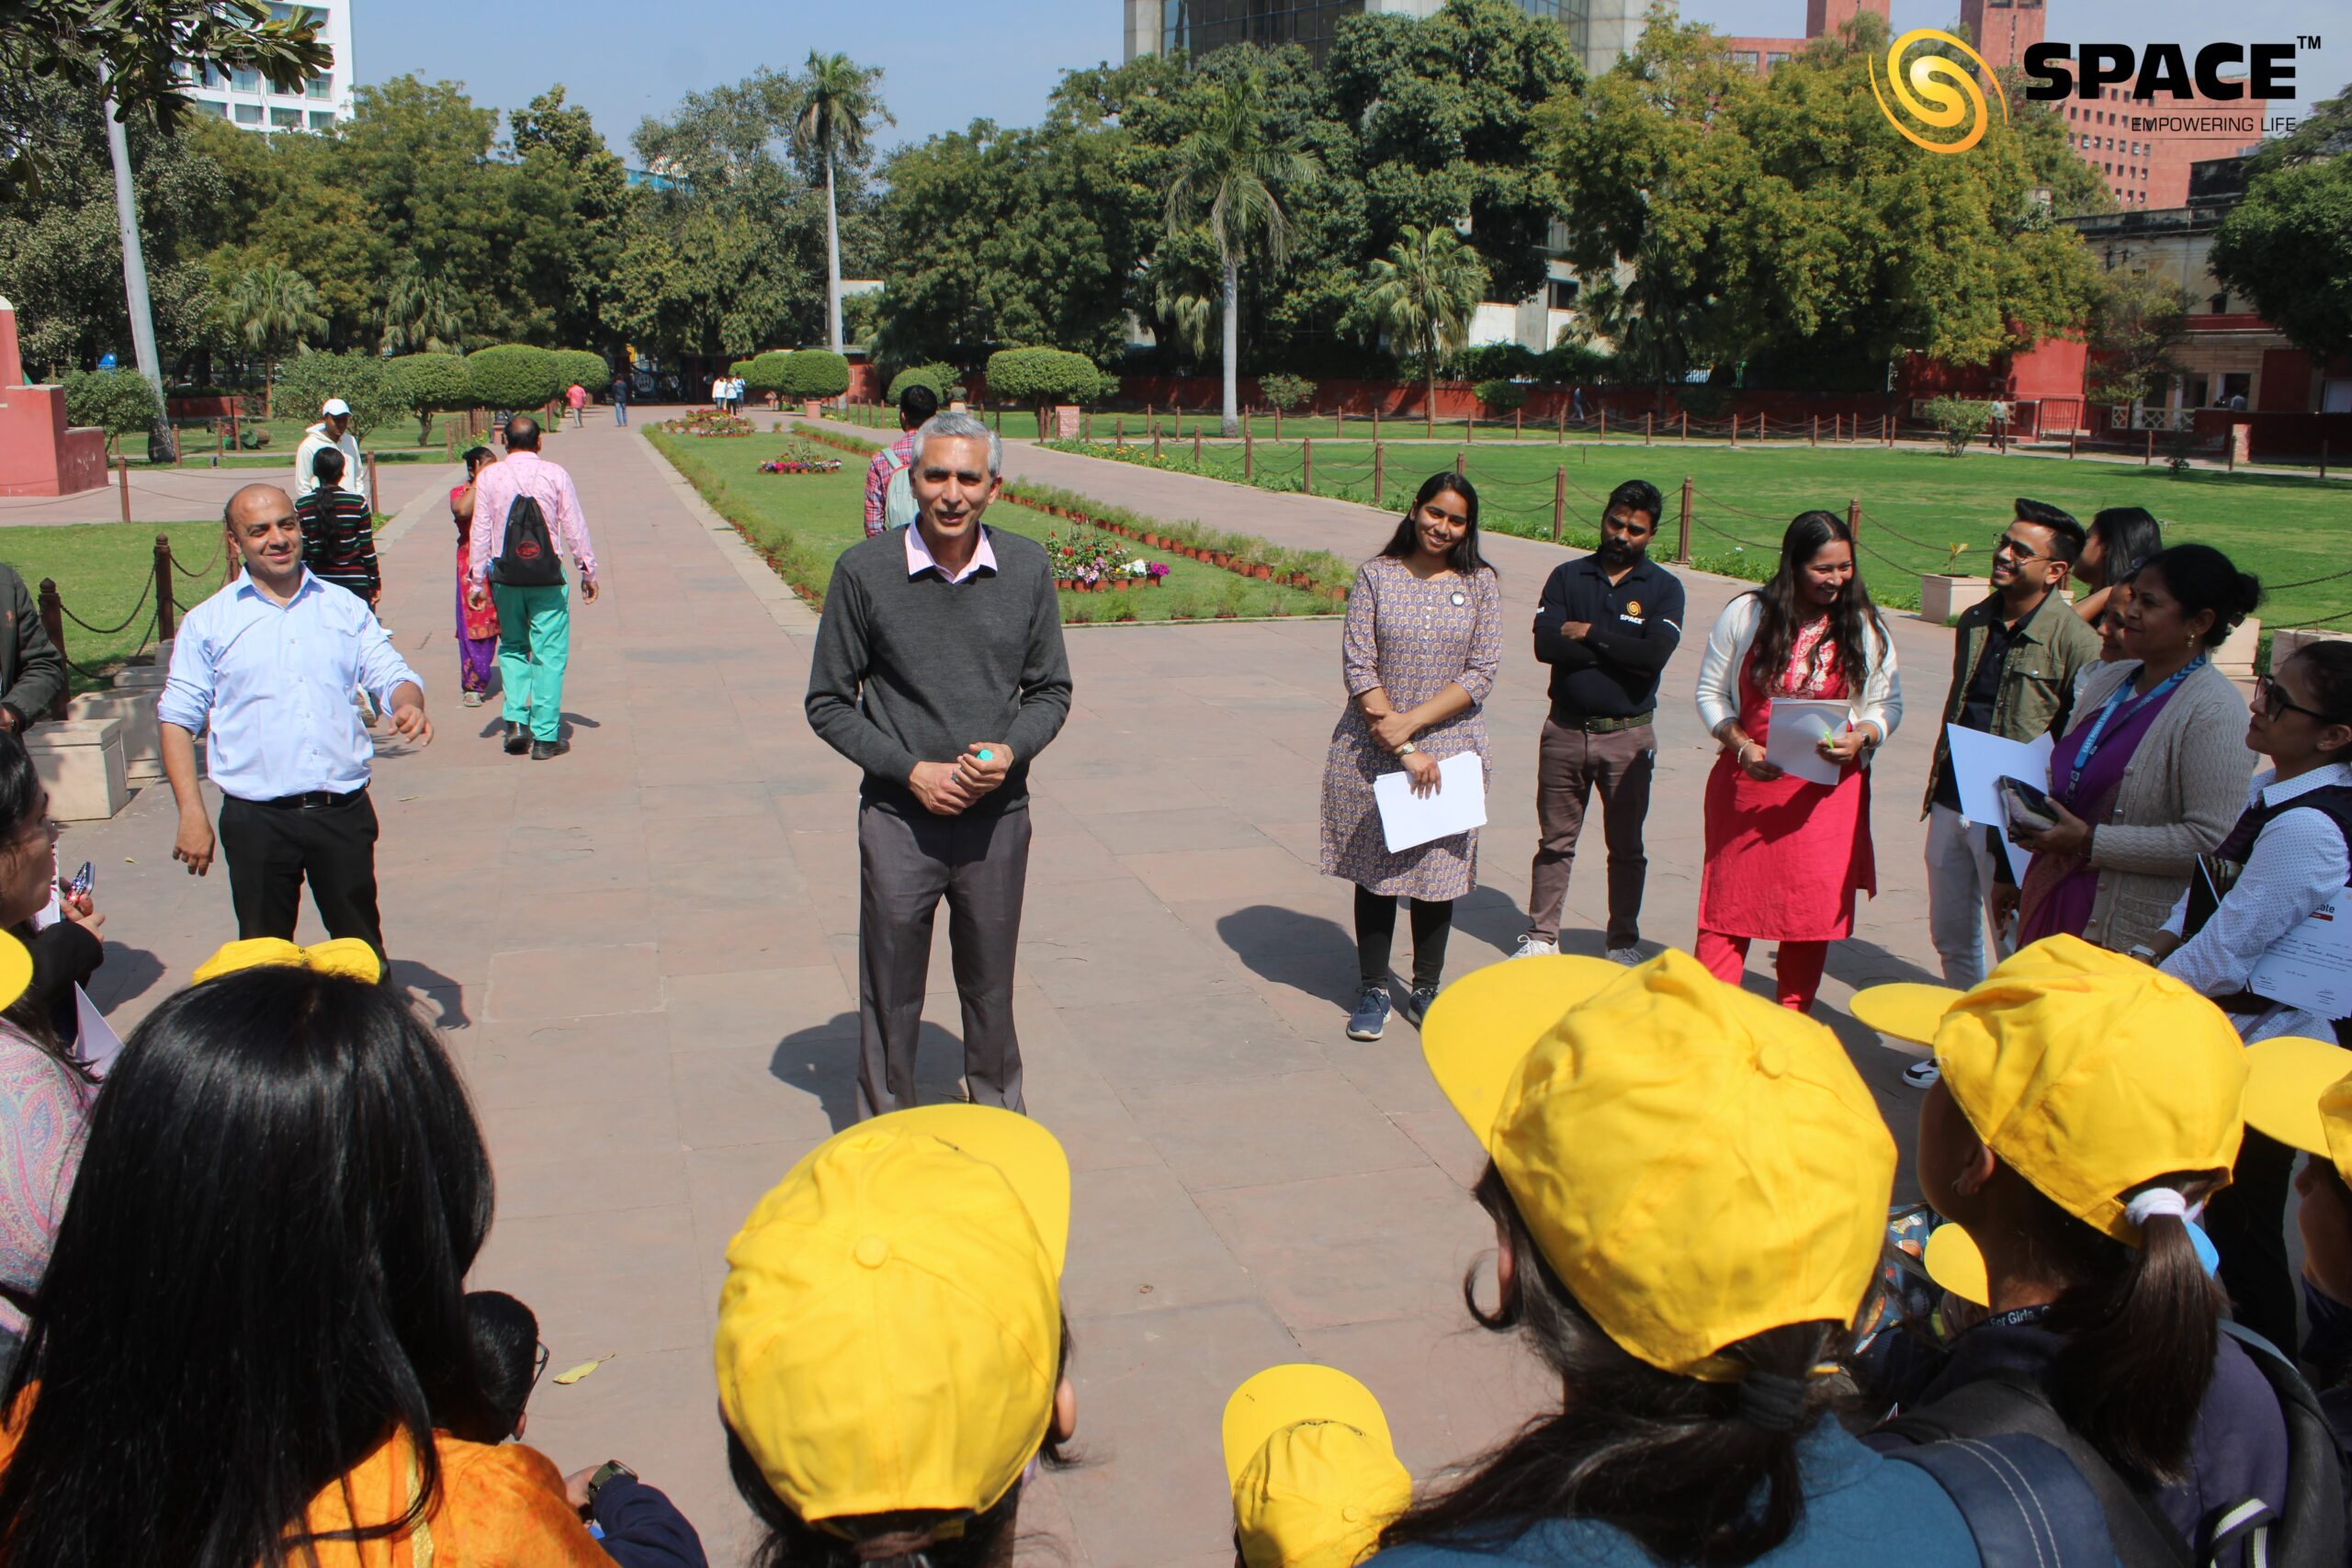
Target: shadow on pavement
(822, 1061)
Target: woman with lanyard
(2154, 770)
(1784, 855)
(2285, 858)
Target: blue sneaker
(1416, 1004)
(1371, 1017)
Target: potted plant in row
(1944, 594)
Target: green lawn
(800, 522)
(392, 443)
(1915, 505)
(1180, 426)
(101, 571)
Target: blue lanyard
(2115, 707)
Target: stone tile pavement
(643, 955)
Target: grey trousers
(906, 864)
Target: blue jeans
(620, 413)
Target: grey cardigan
(2182, 792)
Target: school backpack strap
(2023, 1501)
(2008, 1403)
(2312, 1528)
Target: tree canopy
(2289, 243)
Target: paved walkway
(196, 492)
(643, 957)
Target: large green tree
(1229, 177)
(836, 105)
(2289, 243)
(1423, 293)
(273, 310)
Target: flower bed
(1314, 571)
(709, 422)
(1090, 563)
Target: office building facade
(245, 100)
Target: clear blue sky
(947, 64)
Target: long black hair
(2127, 536)
(259, 1280)
(1855, 629)
(1668, 1460)
(2202, 578)
(1464, 557)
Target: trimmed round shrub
(764, 372)
(121, 402)
(1030, 376)
(427, 384)
(583, 365)
(813, 373)
(1288, 393)
(363, 381)
(514, 376)
(937, 377)
(1502, 394)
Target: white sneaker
(1922, 1073)
(1628, 956)
(473, 699)
(1536, 947)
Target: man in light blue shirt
(266, 666)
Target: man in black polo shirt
(1607, 624)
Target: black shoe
(542, 750)
(518, 739)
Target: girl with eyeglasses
(2287, 856)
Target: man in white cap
(334, 429)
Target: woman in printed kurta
(1423, 639)
(1786, 856)
(477, 628)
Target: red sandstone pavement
(643, 957)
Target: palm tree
(423, 314)
(835, 107)
(1424, 292)
(1227, 172)
(274, 308)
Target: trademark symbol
(2307, 41)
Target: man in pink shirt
(916, 404)
(577, 395)
(533, 618)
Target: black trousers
(2247, 1222)
(1376, 934)
(272, 850)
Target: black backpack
(2311, 1533)
(527, 557)
(2023, 1501)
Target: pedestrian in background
(477, 622)
(576, 396)
(1422, 646)
(1784, 855)
(339, 531)
(889, 486)
(334, 429)
(527, 514)
(620, 398)
(1607, 624)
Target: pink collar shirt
(919, 556)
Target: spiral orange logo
(1938, 92)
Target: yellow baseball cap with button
(1314, 1471)
(889, 1334)
(2091, 1075)
(1696, 1164)
(2285, 1077)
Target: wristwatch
(1407, 749)
(604, 1473)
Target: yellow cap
(1904, 1009)
(1314, 1471)
(1953, 1261)
(2284, 1079)
(16, 970)
(1696, 1164)
(889, 1334)
(345, 956)
(2090, 1074)
(2335, 1119)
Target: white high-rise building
(246, 101)
(1598, 31)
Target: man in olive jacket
(2013, 667)
(32, 672)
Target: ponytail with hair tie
(1775, 1402)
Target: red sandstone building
(2142, 150)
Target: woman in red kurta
(1785, 856)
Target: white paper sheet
(1798, 725)
(95, 1042)
(1979, 762)
(1460, 803)
(2311, 966)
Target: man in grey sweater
(939, 669)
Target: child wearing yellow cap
(2299, 1091)
(2086, 1106)
(1314, 1471)
(1689, 1187)
(891, 1350)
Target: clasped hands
(1392, 730)
(947, 789)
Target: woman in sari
(1784, 855)
(2152, 771)
(477, 628)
